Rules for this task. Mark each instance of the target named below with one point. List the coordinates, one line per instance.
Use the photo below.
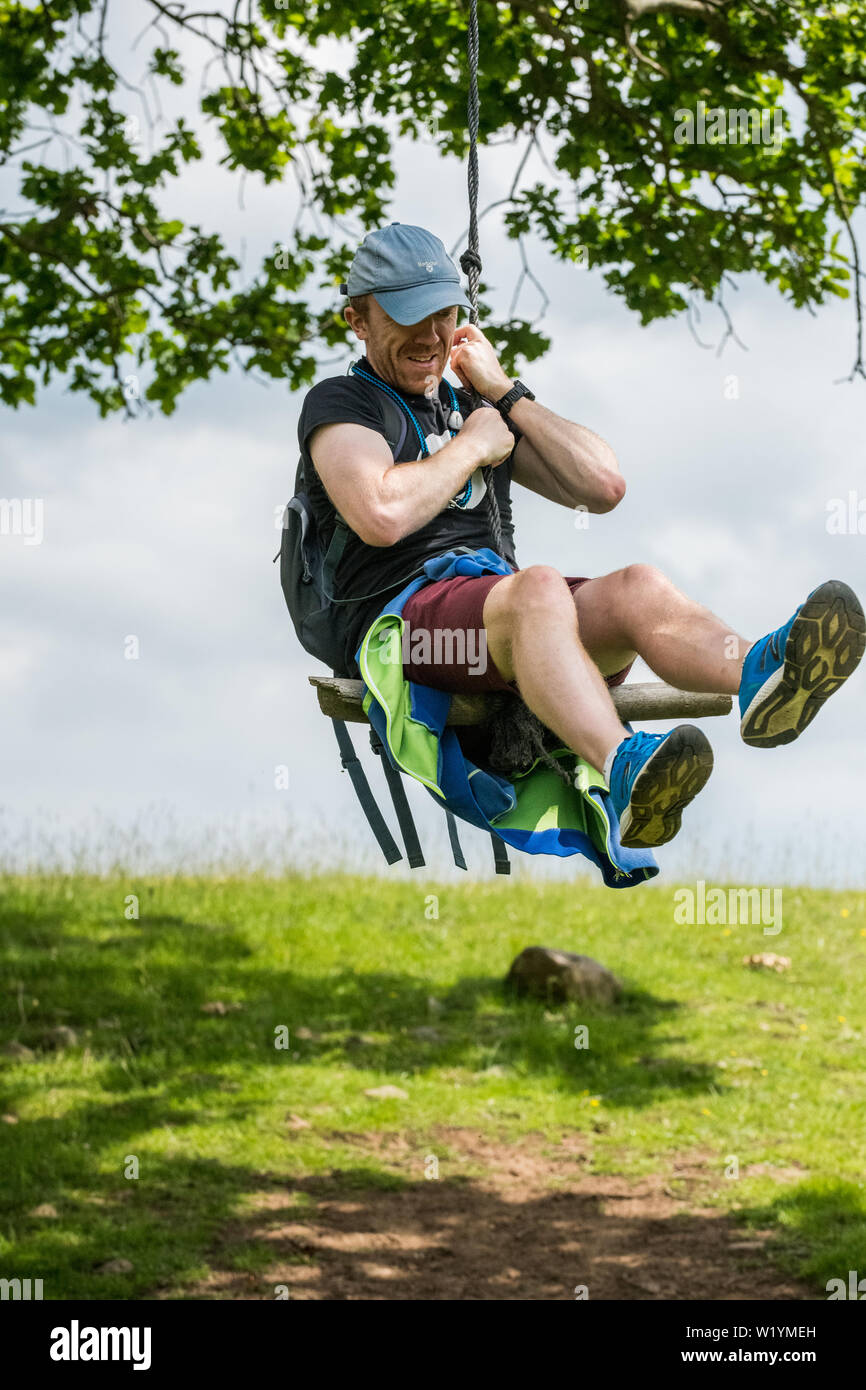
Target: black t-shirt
(374, 574)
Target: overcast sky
(164, 529)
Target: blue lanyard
(383, 386)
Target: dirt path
(530, 1228)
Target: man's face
(412, 357)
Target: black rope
(470, 261)
(518, 738)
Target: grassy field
(703, 1056)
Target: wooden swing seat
(340, 698)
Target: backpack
(307, 574)
(308, 566)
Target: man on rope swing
(559, 641)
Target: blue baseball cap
(408, 271)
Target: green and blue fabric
(536, 812)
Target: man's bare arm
(382, 501)
(563, 461)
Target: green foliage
(97, 272)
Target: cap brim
(419, 302)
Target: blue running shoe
(653, 778)
(789, 674)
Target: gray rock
(551, 975)
(424, 1034)
(61, 1036)
(118, 1266)
(17, 1049)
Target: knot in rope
(518, 740)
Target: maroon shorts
(445, 637)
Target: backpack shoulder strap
(397, 422)
(456, 849)
(334, 553)
(401, 803)
(500, 855)
(375, 819)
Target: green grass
(200, 1101)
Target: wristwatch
(517, 392)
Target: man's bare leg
(533, 637)
(638, 611)
(558, 647)
(790, 672)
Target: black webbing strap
(500, 855)
(455, 840)
(334, 556)
(375, 819)
(401, 803)
(401, 438)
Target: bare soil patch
(515, 1221)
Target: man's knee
(641, 581)
(536, 599)
(539, 592)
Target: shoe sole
(668, 781)
(824, 647)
